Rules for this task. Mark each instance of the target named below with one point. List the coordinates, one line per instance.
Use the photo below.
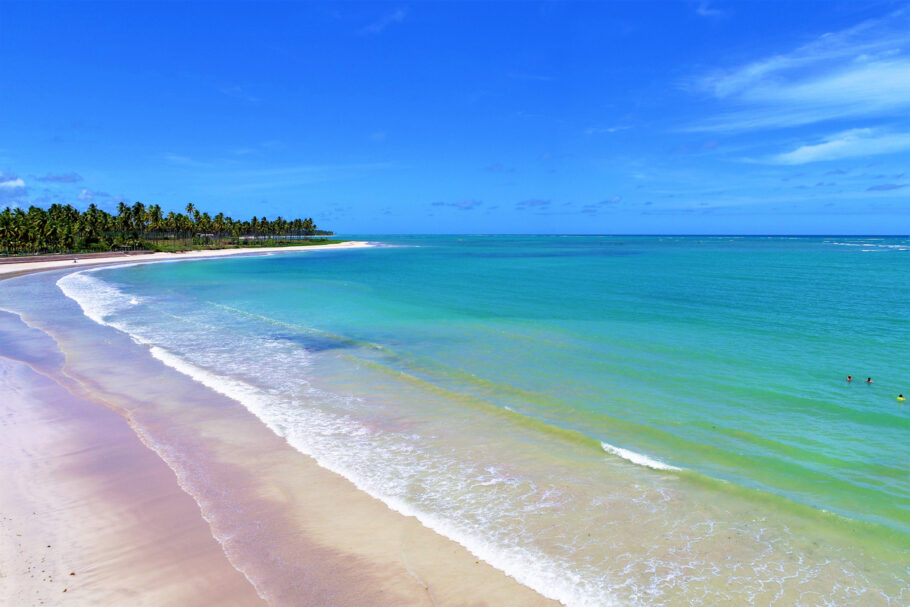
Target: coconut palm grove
(64, 229)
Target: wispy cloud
(464, 205)
(695, 148)
(291, 176)
(859, 72)
(886, 187)
(88, 196)
(597, 207)
(254, 149)
(63, 178)
(848, 144)
(12, 190)
(313, 169)
(47, 197)
(378, 26)
(498, 167)
(238, 92)
(601, 130)
(704, 10)
(528, 77)
(186, 161)
(532, 203)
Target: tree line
(63, 228)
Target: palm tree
(309, 227)
(61, 227)
(139, 218)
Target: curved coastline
(23, 267)
(317, 537)
(208, 441)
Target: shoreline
(91, 515)
(335, 544)
(20, 268)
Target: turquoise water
(630, 420)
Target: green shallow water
(471, 381)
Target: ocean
(609, 420)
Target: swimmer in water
(900, 397)
(849, 378)
(868, 380)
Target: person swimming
(849, 378)
(868, 380)
(900, 397)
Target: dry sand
(25, 266)
(82, 481)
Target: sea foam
(347, 447)
(637, 458)
(532, 568)
(98, 299)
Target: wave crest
(637, 458)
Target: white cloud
(89, 196)
(704, 10)
(874, 85)
(13, 184)
(12, 190)
(859, 72)
(848, 144)
(396, 16)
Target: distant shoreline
(8, 269)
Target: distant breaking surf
(637, 458)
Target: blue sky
(626, 117)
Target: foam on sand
(346, 447)
(552, 579)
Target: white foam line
(97, 298)
(534, 571)
(637, 458)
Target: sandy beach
(336, 306)
(24, 266)
(127, 482)
(92, 516)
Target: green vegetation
(231, 243)
(62, 228)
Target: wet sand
(91, 516)
(131, 476)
